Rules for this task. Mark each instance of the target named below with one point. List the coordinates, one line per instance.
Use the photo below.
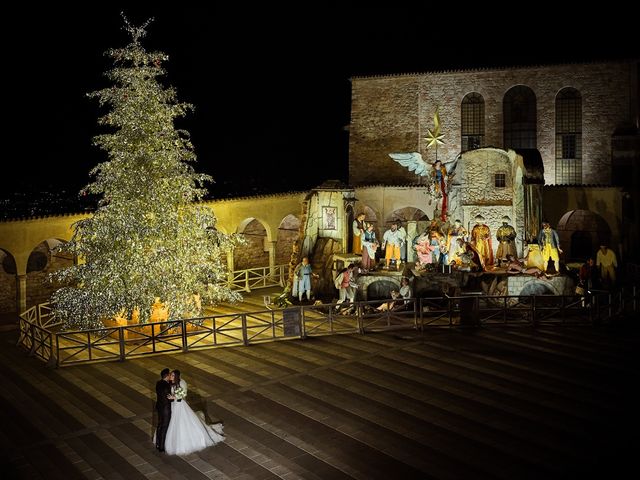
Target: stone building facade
(568, 112)
(474, 190)
(580, 120)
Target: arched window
(569, 136)
(472, 111)
(519, 116)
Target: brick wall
(392, 114)
(7, 292)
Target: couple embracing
(181, 430)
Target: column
(271, 247)
(412, 227)
(21, 293)
(230, 266)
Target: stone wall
(255, 253)
(560, 285)
(604, 202)
(392, 114)
(326, 218)
(7, 288)
(475, 178)
(287, 235)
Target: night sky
(269, 91)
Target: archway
(371, 217)
(288, 233)
(537, 287)
(42, 261)
(406, 214)
(568, 165)
(255, 253)
(8, 292)
(350, 217)
(472, 121)
(414, 221)
(519, 118)
(381, 289)
(409, 214)
(581, 232)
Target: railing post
(21, 330)
(504, 309)
(273, 323)
(121, 343)
(360, 321)
(89, 344)
(185, 346)
(52, 361)
(597, 307)
(32, 350)
(245, 335)
(620, 303)
(246, 281)
(303, 323)
(331, 318)
(533, 311)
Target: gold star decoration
(434, 137)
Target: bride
(188, 431)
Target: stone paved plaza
(515, 403)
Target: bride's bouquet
(179, 393)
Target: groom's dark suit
(163, 405)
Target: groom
(163, 405)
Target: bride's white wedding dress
(188, 431)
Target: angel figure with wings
(439, 174)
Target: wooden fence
(43, 337)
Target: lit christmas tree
(148, 237)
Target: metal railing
(39, 333)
